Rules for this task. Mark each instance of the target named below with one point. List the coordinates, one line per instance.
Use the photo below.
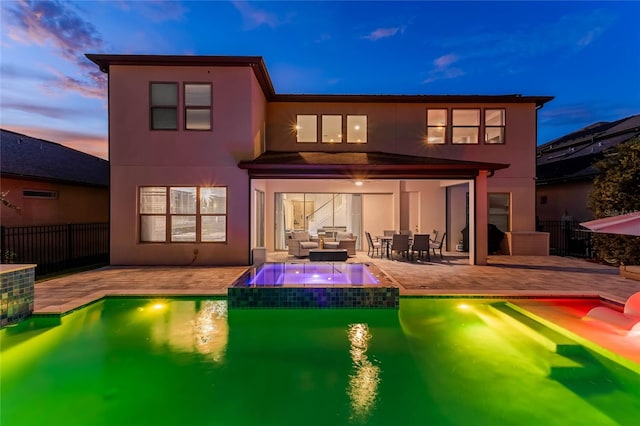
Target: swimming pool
(440, 361)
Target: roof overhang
(361, 165)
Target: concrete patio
(504, 275)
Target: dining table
(386, 240)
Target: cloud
(86, 142)
(60, 24)
(254, 17)
(442, 69)
(56, 112)
(379, 33)
(157, 10)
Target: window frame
(503, 126)
(340, 136)
(169, 216)
(366, 130)
(153, 107)
(466, 126)
(445, 138)
(297, 127)
(186, 108)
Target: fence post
(69, 248)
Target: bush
(616, 191)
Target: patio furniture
(434, 236)
(421, 245)
(373, 246)
(400, 244)
(388, 232)
(328, 255)
(385, 241)
(438, 245)
(300, 243)
(343, 240)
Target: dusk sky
(585, 54)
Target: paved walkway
(504, 275)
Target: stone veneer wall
(17, 292)
(314, 297)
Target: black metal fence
(55, 248)
(567, 238)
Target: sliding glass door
(320, 214)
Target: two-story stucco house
(209, 162)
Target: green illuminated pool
(126, 361)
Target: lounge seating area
(300, 243)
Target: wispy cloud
(480, 48)
(442, 68)
(56, 111)
(381, 33)
(58, 23)
(157, 10)
(254, 17)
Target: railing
(55, 248)
(567, 238)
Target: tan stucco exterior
(247, 119)
(73, 203)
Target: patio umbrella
(625, 224)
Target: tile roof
(572, 156)
(24, 156)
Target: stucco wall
(75, 204)
(572, 197)
(140, 157)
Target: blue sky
(586, 54)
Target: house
(566, 167)
(208, 162)
(50, 184)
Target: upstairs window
(465, 126)
(356, 128)
(494, 126)
(164, 106)
(332, 128)
(436, 126)
(197, 106)
(307, 128)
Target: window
(494, 126)
(436, 126)
(332, 128)
(40, 193)
(197, 106)
(187, 214)
(465, 126)
(307, 128)
(164, 106)
(356, 128)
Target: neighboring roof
(26, 157)
(572, 157)
(360, 165)
(262, 75)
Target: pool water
(309, 274)
(434, 361)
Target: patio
(503, 275)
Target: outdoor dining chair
(421, 245)
(400, 244)
(438, 245)
(373, 246)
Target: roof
(26, 157)
(360, 165)
(572, 156)
(260, 70)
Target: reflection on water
(363, 382)
(206, 332)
